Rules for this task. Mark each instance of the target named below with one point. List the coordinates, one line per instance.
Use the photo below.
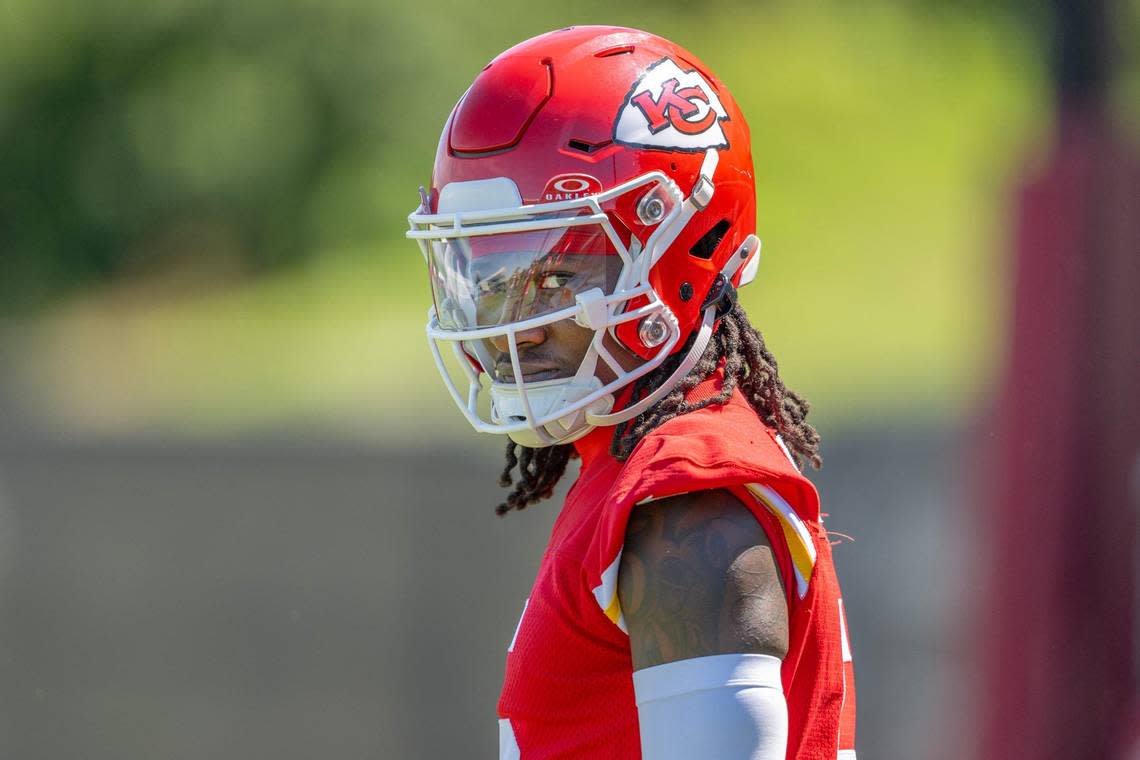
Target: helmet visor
(490, 280)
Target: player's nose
(532, 337)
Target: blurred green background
(202, 203)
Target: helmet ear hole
(706, 246)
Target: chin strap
(720, 300)
(690, 361)
(698, 199)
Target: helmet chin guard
(546, 399)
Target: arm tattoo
(698, 578)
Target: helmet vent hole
(586, 147)
(610, 52)
(706, 246)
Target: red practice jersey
(568, 691)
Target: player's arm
(708, 628)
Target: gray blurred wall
(281, 600)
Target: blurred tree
(188, 135)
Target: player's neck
(594, 444)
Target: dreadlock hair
(747, 362)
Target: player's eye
(554, 280)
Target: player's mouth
(506, 374)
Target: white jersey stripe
(508, 747)
(606, 594)
(796, 534)
(511, 648)
(844, 641)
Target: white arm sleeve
(728, 706)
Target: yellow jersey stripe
(613, 612)
(796, 535)
(606, 594)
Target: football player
(590, 217)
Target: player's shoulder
(717, 446)
(732, 428)
(698, 577)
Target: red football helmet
(595, 174)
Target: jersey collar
(594, 444)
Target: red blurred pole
(1058, 633)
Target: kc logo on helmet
(671, 109)
(570, 187)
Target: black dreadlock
(747, 363)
